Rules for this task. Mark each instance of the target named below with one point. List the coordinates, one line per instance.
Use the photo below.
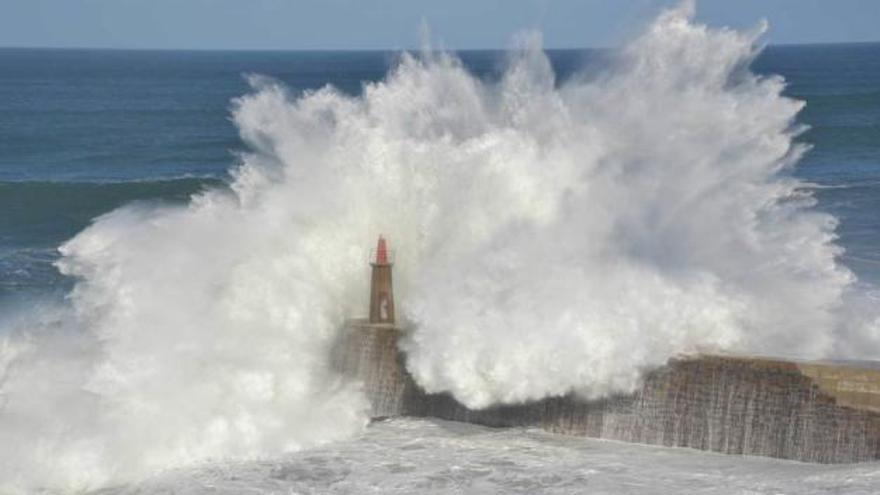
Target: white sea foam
(406, 456)
(553, 236)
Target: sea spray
(552, 236)
(191, 336)
(617, 221)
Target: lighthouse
(381, 293)
(367, 348)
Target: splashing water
(609, 224)
(554, 237)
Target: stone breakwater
(813, 412)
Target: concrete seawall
(814, 412)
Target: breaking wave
(552, 236)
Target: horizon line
(377, 50)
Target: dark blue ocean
(85, 131)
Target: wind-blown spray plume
(607, 225)
(553, 237)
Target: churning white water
(552, 236)
(418, 456)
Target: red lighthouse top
(381, 252)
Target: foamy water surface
(409, 456)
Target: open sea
(85, 131)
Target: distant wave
(813, 185)
(854, 184)
(25, 202)
(182, 178)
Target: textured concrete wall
(804, 411)
(368, 352)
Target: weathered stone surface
(815, 412)
(368, 352)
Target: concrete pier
(813, 412)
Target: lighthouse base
(368, 352)
(813, 412)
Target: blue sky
(369, 24)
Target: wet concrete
(814, 412)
